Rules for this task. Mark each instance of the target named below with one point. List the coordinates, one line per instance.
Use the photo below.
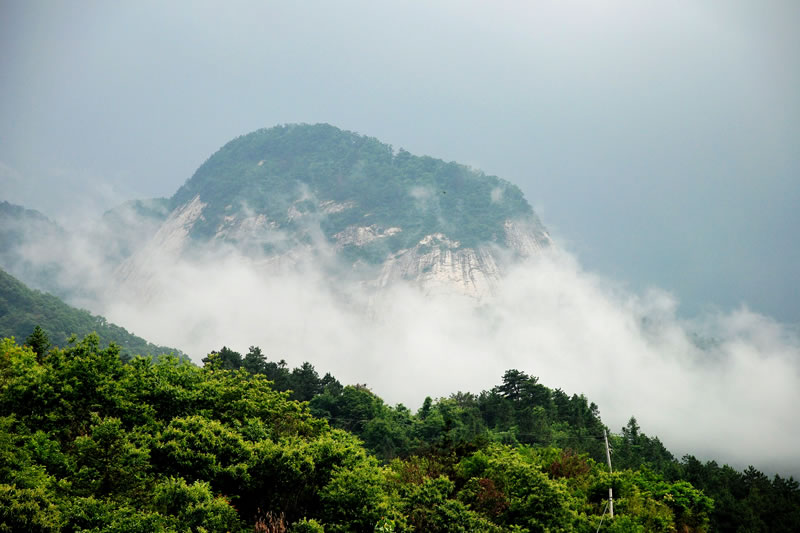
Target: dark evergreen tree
(514, 382)
(331, 385)
(255, 361)
(279, 374)
(225, 359)
(305, 383)
(38, 341)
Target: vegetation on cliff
(296, 173)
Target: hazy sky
(660, 141)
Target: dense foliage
(561, 434)
(21, 309)
(296, 173)
(89, 443)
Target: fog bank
(718, 387)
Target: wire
(602, 517)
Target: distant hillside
(128, 226)
(29, 244)
(22, 308)
(12, 235)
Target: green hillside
(22, 309)
(28, 242)
(295, 173)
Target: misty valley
(321, 332)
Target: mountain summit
(390, 215)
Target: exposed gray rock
(435, 264)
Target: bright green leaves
(93, 514)
(108, 462)
(90, 443)
(306, 525)
(356, 498)
(690, 507)
(78, 380)
(531, 498)
(292, 474)
(197, 448)
(29, 510)
(195, 506)
(234, 397)
(23, 388)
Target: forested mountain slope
(22, 308)
(29, 247)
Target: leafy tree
(514, 383)
(331, 385)
(430, 507)
(356, 499)
(194, 506)
(425, 410)
(306, 526)
(108, 461)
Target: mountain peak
(293, 187)
(288, 173)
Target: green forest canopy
(90, 443)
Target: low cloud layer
(723, 387)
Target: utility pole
(610, 490)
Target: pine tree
(38, 341)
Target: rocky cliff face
(435, 263)
(438, 264)
(315, 193)
(169, 244)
